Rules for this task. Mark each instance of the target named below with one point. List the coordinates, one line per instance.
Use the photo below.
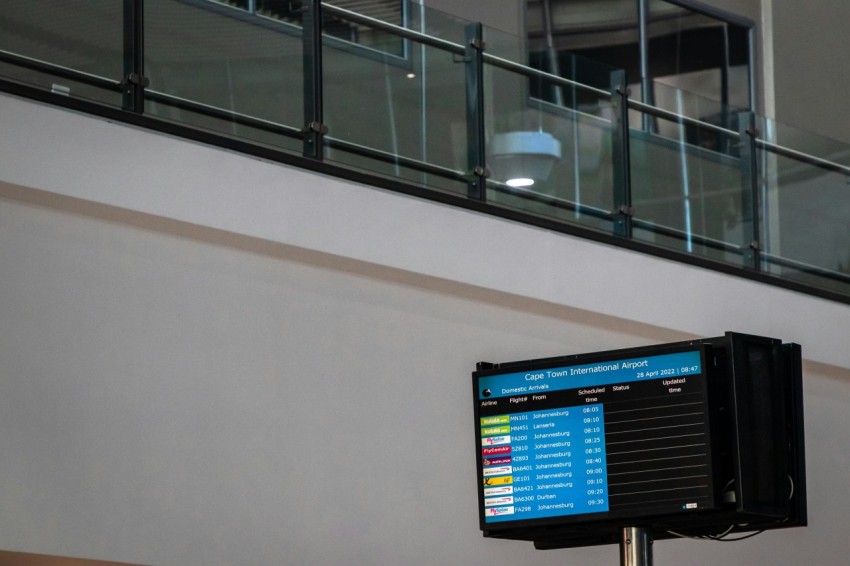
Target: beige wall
(811, 77)
(174, 395)
(210, 359)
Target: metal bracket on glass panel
(476, 44)
(134, 85)
(135, 79)
(313, 133)
(315, 128)
(478, 176)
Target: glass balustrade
(805, 204)
(687, 177)
(428, 103)
(69, 47)
(398, 113)
(217, 67)
(551, 141)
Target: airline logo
(494, 491)
(496, 440)
(504, 480)
(500, 420)
(493, 501)
(496, 450)
(495, 430)
(498, 511)
(500, 461)
(498, 471)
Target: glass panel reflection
(698, 53)
(680, 46)
(605, 31)
(805, 233)
(403, 118)
(77, 35)
(686, 180)
(219, 68)
(550, 144)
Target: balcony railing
(446, 109)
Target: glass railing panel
(550, 143)
(403, 117)
(687, 178)
(70, 47)
(363, 34)
(436, 23)
(690, 105)
(221, 68)
(698, 52)
(345, 29)
(805, 201)
(757, 195)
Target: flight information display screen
(609, 438)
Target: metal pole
(134, 81)
(750, 221)
(635, 547)
(551, 52)
(475, 144)
(622, 192)
(646, 91)
(314, 127)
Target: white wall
(210, 359)
(811, 76)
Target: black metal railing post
(134, 80)
(750, 216)
(314, 126)
(623, 210)
(475, 141)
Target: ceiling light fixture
(519, 159)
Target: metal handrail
(223, 113)
(806, 268)
(804, 157)
(458, 49)
(680, 118)
(551, 200)
(61, 71)
(531, 72)
(683, 235)
(395, 159)
(404, 32)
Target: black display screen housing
(693, 438)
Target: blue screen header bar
(590, 375)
